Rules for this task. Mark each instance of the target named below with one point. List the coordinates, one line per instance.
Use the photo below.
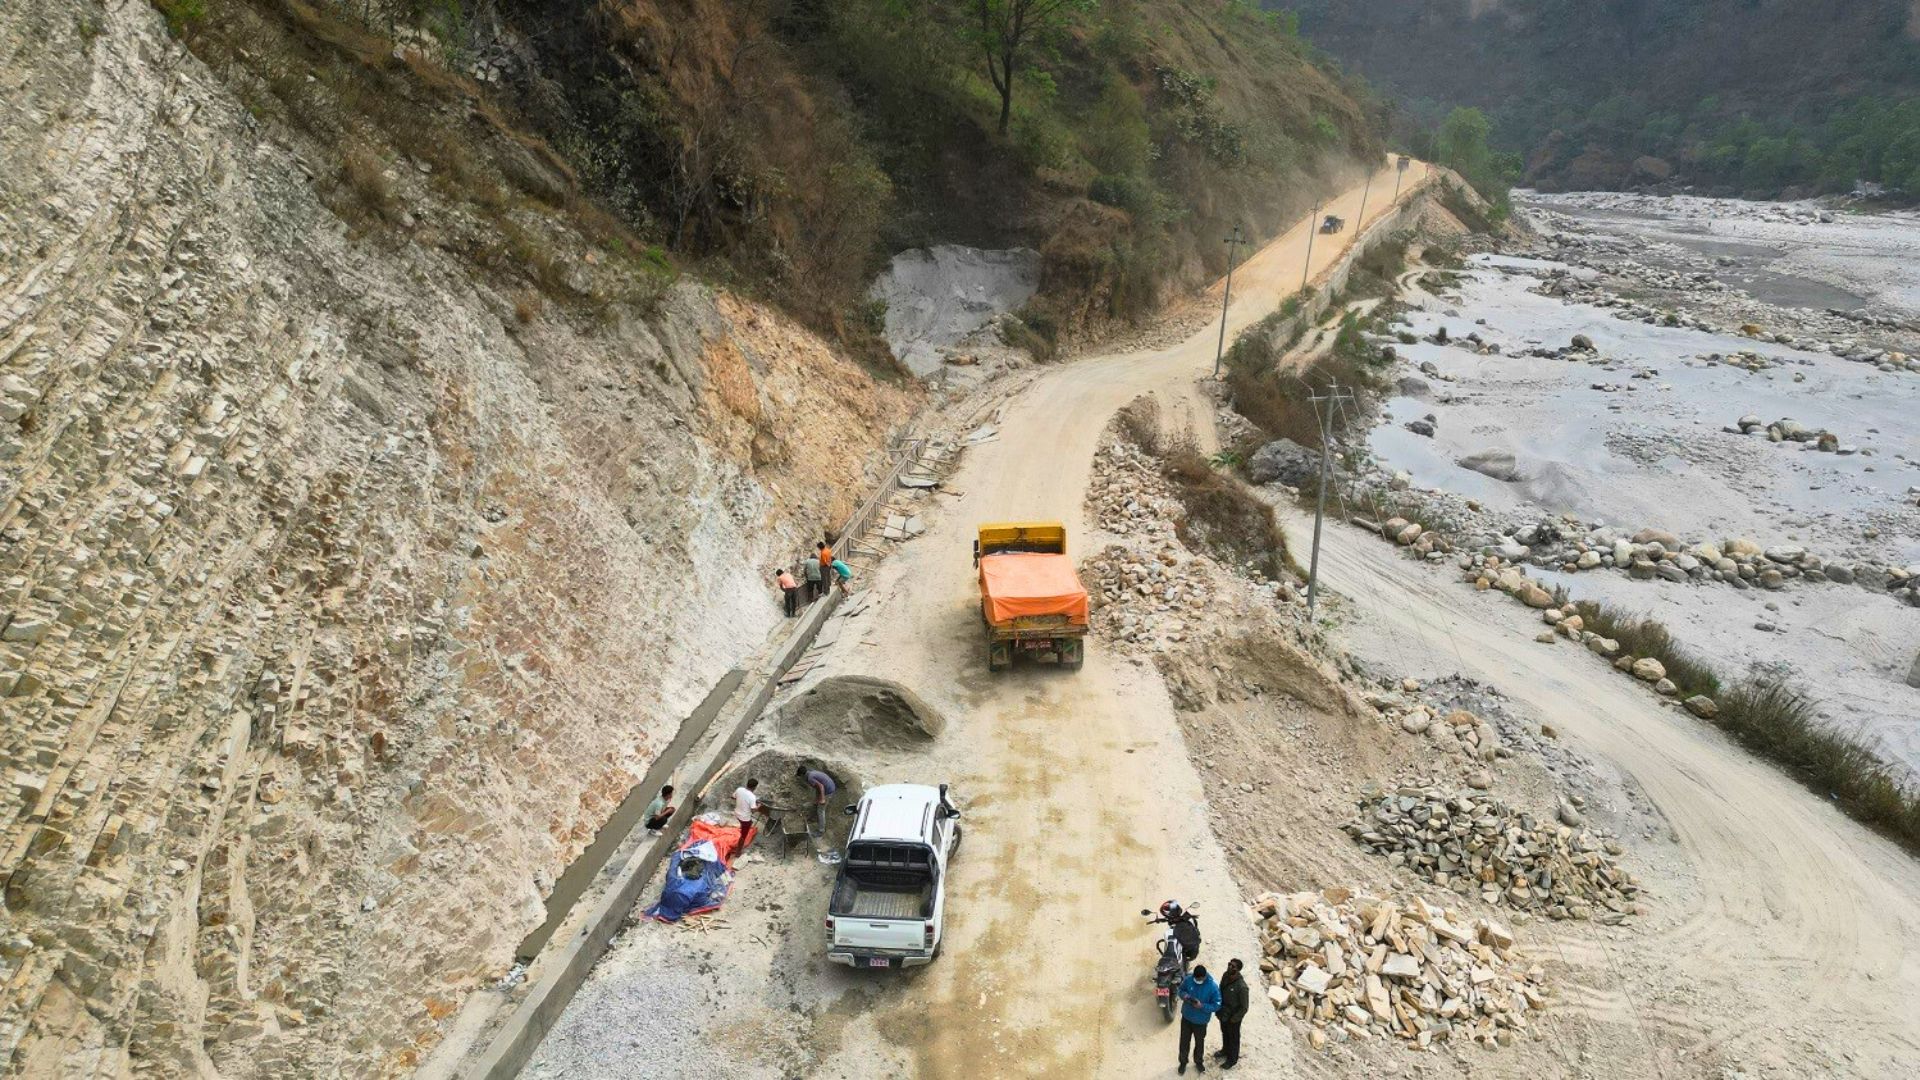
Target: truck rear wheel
(1073, 652)
(999, 656)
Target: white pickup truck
(890, 898)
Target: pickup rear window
(884, 865)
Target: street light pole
(1220, 347)
(1312, 227)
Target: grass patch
(1140, 423)
(1223, 515)
(1777, 722)
(1032, 330)
(1279, 404)
(364, 175)
(1645, 637)
(181, 15)
(1468, 209)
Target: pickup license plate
(879, 961)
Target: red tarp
(726, 839)
(1022, 584)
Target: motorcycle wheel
(1167, 1006)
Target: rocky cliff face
(342, 593)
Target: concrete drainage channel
(574, 882)
(499, 1028)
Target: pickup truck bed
(854, 901)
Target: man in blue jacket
(1199, 1000)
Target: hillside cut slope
(360, 544)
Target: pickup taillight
(927, 936)
(829, 924)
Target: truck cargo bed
(1017, 585)
(886, 905)
(855, 901)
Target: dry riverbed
(1610, 393)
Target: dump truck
(1031, 600)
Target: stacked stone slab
(1361, 967)
(1478, 846)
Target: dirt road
(1790, 932)
(1083, 806)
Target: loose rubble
(1360, 967)
(1150, 590)
(1476, 845)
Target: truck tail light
(927, 936)
(829, 924)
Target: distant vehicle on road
(1332, 223)
(890, 899)
(1030, 597)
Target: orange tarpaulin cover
(1018, 584)
(726, 839)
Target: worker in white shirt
(745, 805)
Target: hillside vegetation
(790, 147)
(1757, 97)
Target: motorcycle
(1176, 949)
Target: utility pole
(1399, 170)
(1364, 192)
(1220, 348)
(1332, 397)
(1313, 226)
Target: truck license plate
(878, 961)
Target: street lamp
(1220, 348)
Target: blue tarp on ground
(697, 882)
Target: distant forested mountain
(1751, 96)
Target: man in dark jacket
(1233, 1009)
(1199, 1000)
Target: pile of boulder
(1411, 535)
(1459, 733)
(1476, 845)
(1650, 554)
(1283, 461)
(1787, 429)
(1360, 967)
(1129, 496)
(1146, 598)
(1746, 360)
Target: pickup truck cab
(890, 898)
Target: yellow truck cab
(1031, 599)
